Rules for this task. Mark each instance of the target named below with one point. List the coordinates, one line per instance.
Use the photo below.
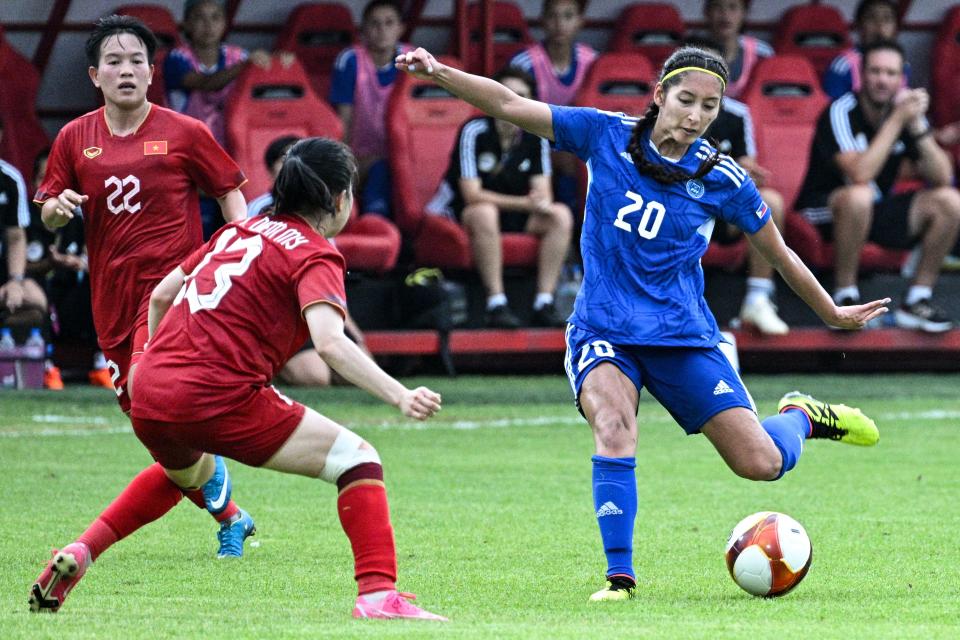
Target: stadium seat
(785, 99)
(653, 29)
(164, 26)
(23, 135)
(422, 125)
(943, 73)
(620, 82)
(817, 32)
(510, 35)
(369, 243)
(316, 32)
(266, 104)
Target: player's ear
(150, 77)
(658, 95)
(92, 72)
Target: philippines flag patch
(762, 209)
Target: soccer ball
(768, 554)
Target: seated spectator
(725, 20)
(64, 268)
(559, 66)
(363, 77)
(306, 368)
(860, 142)
(732, 132)
(499, 180)
(198, 76)
(874, 20)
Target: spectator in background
(559, 66)
(363, 77)
(19, 294)
(875, 21)
(198, 75)
(305, 368)
(725, 20)
(732, 132)
(499, 180)
(859, 145)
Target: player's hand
(419, 63)
(856, 316)
(68, 203)
(420, 403)
(911, 104)
(12, 295)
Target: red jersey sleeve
(60, 173)
(321, 280)
(210, 167)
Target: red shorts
(123, 356)
(249, 433)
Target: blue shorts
(692, 383)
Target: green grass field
(494, 523)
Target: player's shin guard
(365, 517)
(148, 496)
(788, 430)
(615, 501)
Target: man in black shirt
(860, 143)
(499, 180)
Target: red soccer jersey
(238, 317)
(143, 216)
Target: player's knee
(615, 430)
(482, 217)
(562, 216)
(347, 452)
(947, 204)
(853, 200)
(759, 465)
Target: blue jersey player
(640, 320)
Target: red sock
(196, 497)
(365, 517)
(148, 496)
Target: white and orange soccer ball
(768, 554)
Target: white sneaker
(762, 315)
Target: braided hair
(683, 57)
(313, 172)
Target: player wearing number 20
(134, 170)
(655, 189)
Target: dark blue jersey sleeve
(577, 129)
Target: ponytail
(314, 171)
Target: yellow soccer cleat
(833, 421)
(617, 588)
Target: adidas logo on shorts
(608, 509)
(722, 387)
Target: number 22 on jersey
(224, 273)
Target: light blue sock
(615, 501)
(788, 431)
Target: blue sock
(788, 430)
(615, 501)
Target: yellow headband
(723, 84)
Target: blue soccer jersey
(642, 240)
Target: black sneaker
(501, 317)
(923, 315)
(548, 316)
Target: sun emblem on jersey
(695, 188)
(92, 152)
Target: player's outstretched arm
(796, 274)
(349, 360)
(488, 95)
(162, 298)
(233, 205)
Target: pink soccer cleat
(394, 605)
(59, 577)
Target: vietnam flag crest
(155, 148)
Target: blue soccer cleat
(232, 534)
(218, 489)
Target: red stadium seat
(653, 29)
(422, 125)
(23, 136)
(266, 104)
(316, 32)
(369, 243)
(618, 82)
(510, 35)
(785, 100)
(164, 26)
(817, 32)
(943, 73)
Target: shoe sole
(63, 565)
(906, 320)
